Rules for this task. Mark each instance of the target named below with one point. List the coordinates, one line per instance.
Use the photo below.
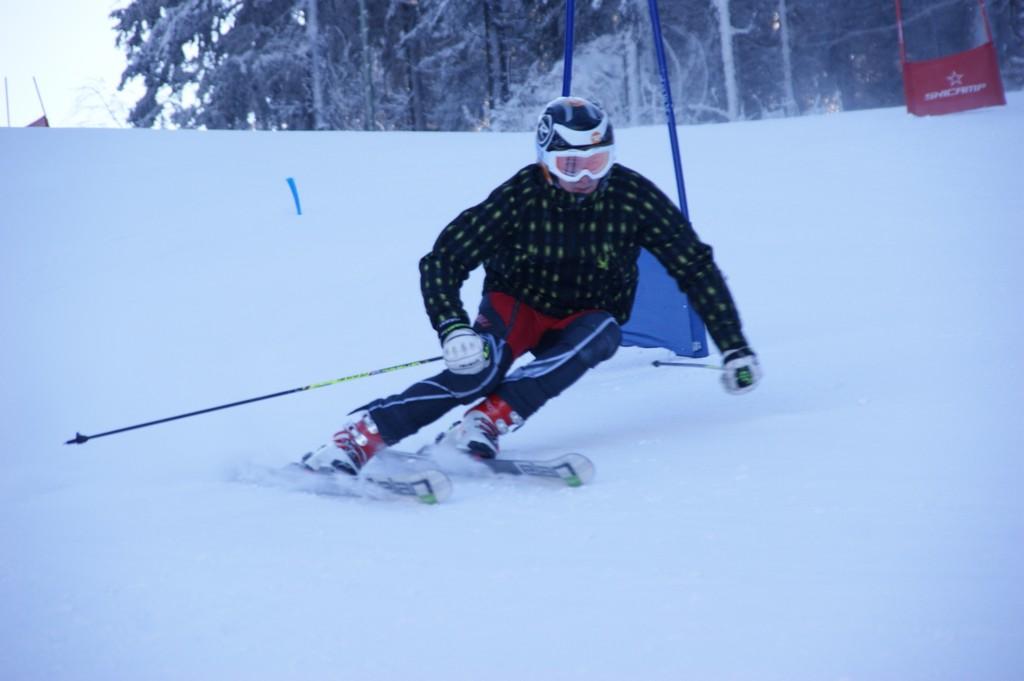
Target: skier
(559, 243)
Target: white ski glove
(465, 352)
(741, 370)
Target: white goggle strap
(582, 138)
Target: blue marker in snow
(295, 195)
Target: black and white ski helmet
(573, 125)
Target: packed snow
(858, 516)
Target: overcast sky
(68, 45)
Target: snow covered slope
(856, 517)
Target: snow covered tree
(1008, 29)
(208, 63)
(490, 64)
(727, 33)
(781, 24)
(271, 64)
(614, 63)
(760, 53)
(1014, 43)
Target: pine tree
(491, 64)
(1015, 48)
(215, 64)
(1008, 28)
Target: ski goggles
(572, 165)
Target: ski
(426, 486)
(573, 469)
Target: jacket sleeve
(670, 237)
(462, 246)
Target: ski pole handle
(82, 439)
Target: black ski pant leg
(401, 415)
(422, 403)
(562, 357)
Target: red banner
(962, 81)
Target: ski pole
(695, 365)
(81, 439)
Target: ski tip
(428, 487)
(582, 470)
(440, 488)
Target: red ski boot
(354, 445)
(478, 432)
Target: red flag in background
(967, 80)
(39, 123)
(955, 82)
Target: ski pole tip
(78, 439)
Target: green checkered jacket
(561, 253)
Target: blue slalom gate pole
(670, 112)
(570, 29)
(659, 320)
(698, 332)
